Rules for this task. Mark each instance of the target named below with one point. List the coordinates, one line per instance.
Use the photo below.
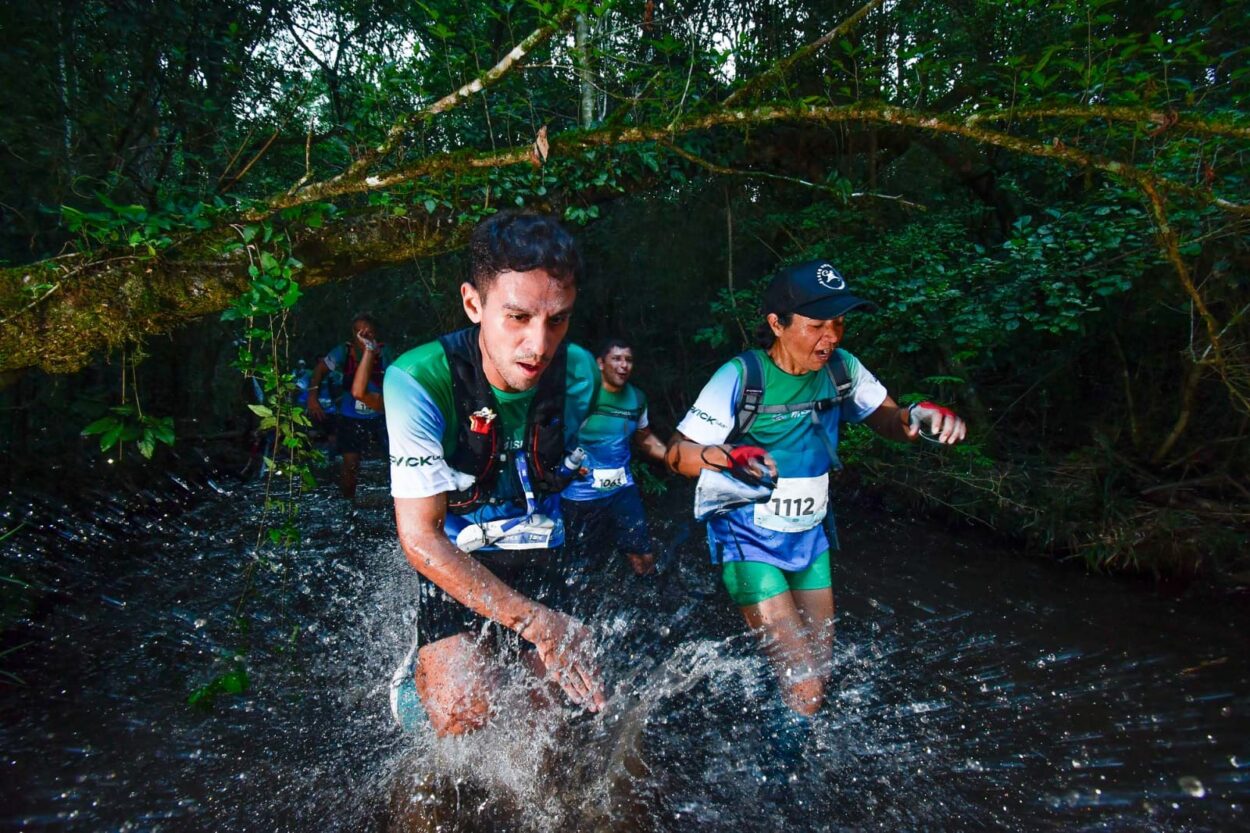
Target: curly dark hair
(518, 241)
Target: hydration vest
(481, 452)
(351, 363)
(749, 406)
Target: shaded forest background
(1048, 199)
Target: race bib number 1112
(796, 505)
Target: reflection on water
(975, 689)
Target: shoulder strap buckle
(752, 395)
(836, 368)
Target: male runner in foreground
(480, 421)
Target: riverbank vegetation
(1048, 198)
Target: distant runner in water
(762, 438)
(356, 422)
(605, 506)
(364, 387)
(481, 422)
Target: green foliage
(263, 356)
(127, 424)
(943, 293)
(134, 226)
(263, 310)
(647, 480)
(272, 290)
(1031, 292)
(233, 681)
(735, 313)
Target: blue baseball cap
(814, 289)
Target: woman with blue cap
(762, 439)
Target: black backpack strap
(836, 368)
(475, 453)
(752, 395)
(841, 378)
(831, 529)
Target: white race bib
(362, 408)
(797, 504)
(605, 480)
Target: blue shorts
(617, 519)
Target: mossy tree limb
(105, 301)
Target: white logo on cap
(828, 277)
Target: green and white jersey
(786, 531)
(607, 438)
(420, 422)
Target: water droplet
(199, 623)
(1191, 786)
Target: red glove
(742, 455)
(936, 422)
(747, 464)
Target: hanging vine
(288, 455)
(126, 422)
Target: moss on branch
(105, 302)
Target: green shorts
(751, 582)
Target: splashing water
(971, 690)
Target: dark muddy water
(976, 689)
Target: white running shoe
(406, 705)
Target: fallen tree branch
(100, 309)
(358, 169)
(45, 296)
(881, 113)
(111, 303)
(724, 171)
(1130, 115)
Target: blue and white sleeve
(867, 393)
(335, 358)
(711, 417)
(414, 425)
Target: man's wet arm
(460, 575)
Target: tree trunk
(585, 76)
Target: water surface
(975, 688)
